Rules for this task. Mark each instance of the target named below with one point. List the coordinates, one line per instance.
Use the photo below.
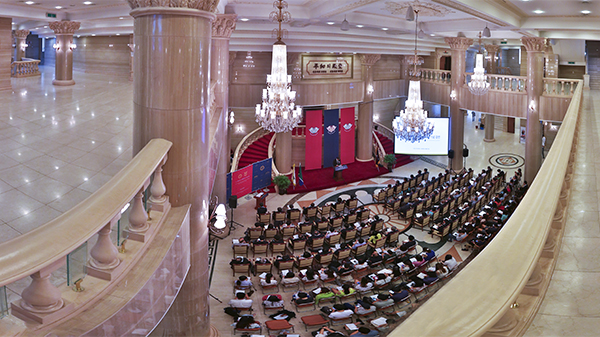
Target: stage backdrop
(347, 128)
(331, 136)
(250, 178)
(314, 139)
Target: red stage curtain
(314, 139)
(347, 132)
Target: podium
(261, 198)
(337, 172)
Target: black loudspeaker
(465, 153)
(450, 154)
(233, 201)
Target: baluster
(562, 89)
(41, 296)
(158, 199)
(138, 219)
(104, 254)
(572, 84)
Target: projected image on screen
(436, 145)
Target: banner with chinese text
(319, 67)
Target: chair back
(317, 243)
(279, 216)
(270, 233)
(325, 259)
(296, 245)
(305, 263)
(410, 213)
(322, 225)
(259, 248)
(379, 197)
(419, 207)
(378, 226)
(421, 192)
(325, 210)
(277, 248)
(342, 253)
(305, 228)
(365, 214)
(351, 218)
(255, 232)
(264, 218)
(380, 243)
(358, 251)
(352, 204)
(239, 250)
(241, 268)
(260, 268)
(364, 231)
(350, 234)
(288, 231)
(429, 187)
(311, 212)
(339, 207)
(436, 214)
(426, 220)
(392, 238)
(337, 222)
(334, 239)
(295, 215)
(427, 203)
(286, 265)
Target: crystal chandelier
(248, 62)
(278, 112)
(412, 125)
(479, 84)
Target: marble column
(63, 69)
(131, 48)
(364, 126)
(21, 36)
(493, 50)
(489, 128)
(171, 81)
(535, 47)
(222, 28)
(6, 41)
(283, 152)
(458, 46)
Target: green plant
(389, 159)
(283, 182)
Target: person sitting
(365, 332)
(374, 259)
(359, 243)
(326, 274)
(364, 285)
(309, 276)
(374, 238)
(345, 290)
(321, 293)
(302, 297)
(261, 209)
(325, 331)
(290, 278)
(344, 268)
(268, 280)
(243, 282)
(430, 278)
(460, 235)
(418, 261)
(383, 300)
(272, 301)
(364, 306)
(277, 239)
(408, 244)
(383, 279)
(441, 270)
(241, 300)
(399, 293)
(340, 312)
(284, 258)
(428, 254)
(247, 322)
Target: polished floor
(59, 144)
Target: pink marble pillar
(364, 125)
(535, 46)
(21, 36)
(222, 28)
(171, 81)
(458, 46)
(64, 46)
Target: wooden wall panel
(387, 68)
(6, 52)
(390, 88)
(102, 55)
(438, 93)
(571, 71)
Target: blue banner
(331, 136)
(228, 185)
(261, 174)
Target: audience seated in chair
(383, 300)
(290, 278)
(241, 300)
(268, 280)
(340, 311)
(322, 293)
(450, 262)
(272, 301)
(243, 282)
(302, 297)
(364, 285)
(365, 332)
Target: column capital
(459, 43)
(534, 44)
(203, 5)
(64, 27)
(223, 26)
(492, 48)
(369, 59)
(21, 33)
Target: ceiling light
(384, 28)
(244, 19)
(410, 14)
(431, 34)
(538, 11)
(58, 7)
(345, 25)
(421, 34)
(88, 3)
(29, 2)
(93, 34)
(120, 18)
(45, 26)
(118, 34)
(486, 32)
(359, 26)
(330, 23)
(585, 12)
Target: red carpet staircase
(257, 151)
(388, 145)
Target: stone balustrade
(436, 76)
(25, 68)
(559, 86)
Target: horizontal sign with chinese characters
(319, 67)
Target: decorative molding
(223, 26)
(492, 48)
(64, 27)
(458, 6)
(369, 59)
(534, 44)
(203, 5)
(459, 43)
(21, 33)
(347, 8)
(424, 8)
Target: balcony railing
(436, 76)
(25, 68)
(559, 86)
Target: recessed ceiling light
(244, 19)
(118, 34)
(29, 2)
(58, 7)
(120, 18)
(78, 35)
(93, 34)
(45, 26)
(88, 3)
(585, 12)
(330, 23)
(538, 11)
(431, 34)
(384, 28)
(359, 26)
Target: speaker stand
(233, 224)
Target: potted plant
(281, 184)
(390, 161)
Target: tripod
(232, 222)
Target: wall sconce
(375, 118)
(72, 46)
(240, 128)
(24, 46)
(453, 95)
(532, 106)
(370, 89)
(231, 118)
(56, 46)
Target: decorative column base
(104, 273)
(18, 309)
(160, 205)
(63, 82)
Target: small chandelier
(278, 112)
(248, 62)
(412, 125)
(479, 84)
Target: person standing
(543, 146)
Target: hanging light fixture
(479, 84)
(345, 25)
(249, 61)
(278, 112)
(412, 125)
